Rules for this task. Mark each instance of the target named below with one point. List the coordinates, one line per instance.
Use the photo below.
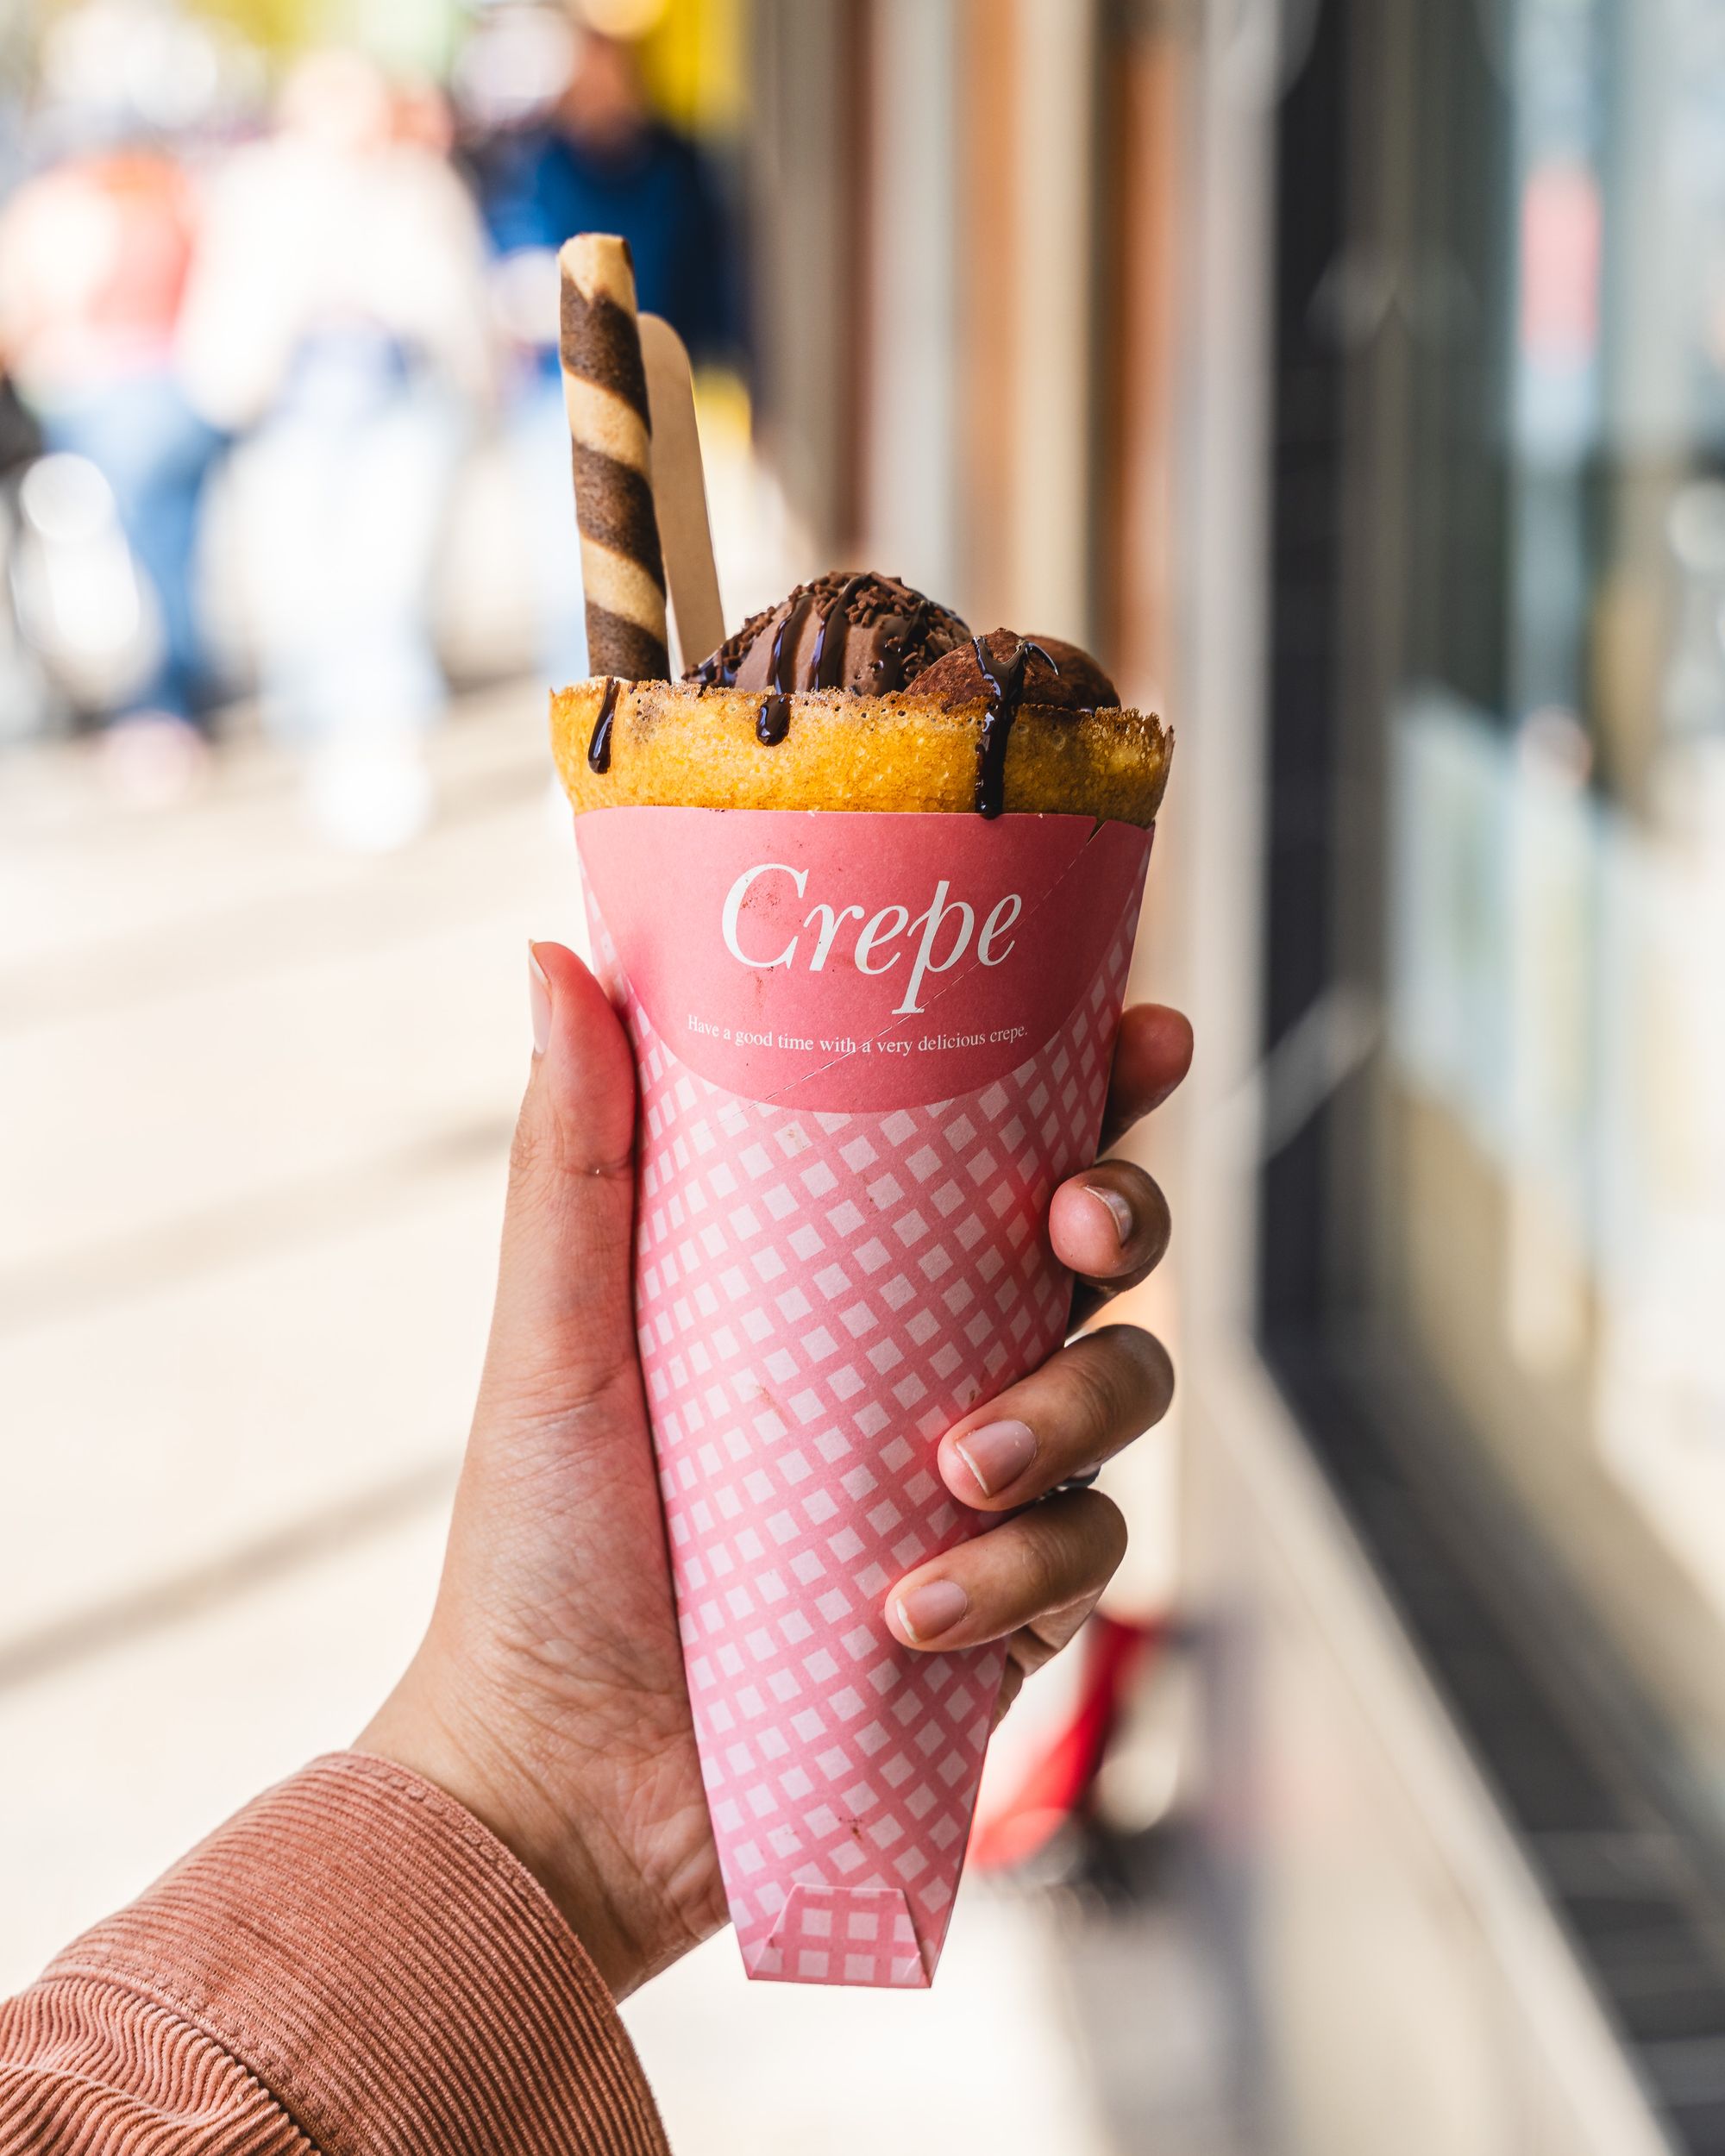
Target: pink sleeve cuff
(388, 1972)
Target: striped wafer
(605, 387)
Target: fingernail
(996, 1454)
(538, 1001)
(928, 1611)
(1119, 1212)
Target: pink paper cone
(830, 1270)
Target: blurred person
(25, 699)
(600, 159)
(336, 317)
(415, 1944)
(420, 115)
(95, 255)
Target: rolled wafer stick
(604, 390)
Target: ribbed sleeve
(353, 1965)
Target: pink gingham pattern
(819, 1296)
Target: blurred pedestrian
(95, 255)
(600, 159)
(603, 161)
(336, 312)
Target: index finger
(1152, 1053)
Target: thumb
(563, 1329)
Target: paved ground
(256, 1098)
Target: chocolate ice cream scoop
(858, 693)
(868, 633)
(1057, 676)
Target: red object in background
(1059, 1784)
(1562, 225)
(97, 251)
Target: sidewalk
(257, 1104)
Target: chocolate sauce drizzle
(599, 749)
(889, 667)
(828, 665)
(784, 644)
(1006, 692)
(773, 721)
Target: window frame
(1575, 1752)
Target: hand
(548, 1695)
(1037, 1577)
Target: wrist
(487, 1778)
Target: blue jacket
(537, 187)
